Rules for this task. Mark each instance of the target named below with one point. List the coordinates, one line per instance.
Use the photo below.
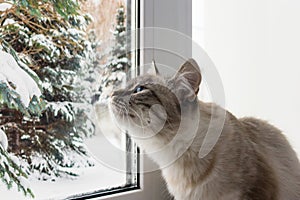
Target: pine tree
(15, 101)
(49, 40)
(114, 73)
(11, 173)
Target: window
(60, 134)
(140, 13)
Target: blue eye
(139, 89)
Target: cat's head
(151, 104)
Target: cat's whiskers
(120, 109)
(126, 113)
(140, 118)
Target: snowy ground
(101, 176)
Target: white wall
(255, 45)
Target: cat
(251, 160)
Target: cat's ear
(187, 80)
(153, 69)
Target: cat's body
(251, 160)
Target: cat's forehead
(146, 79)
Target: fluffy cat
(251, 159)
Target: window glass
(59, 61)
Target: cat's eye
(139, 89)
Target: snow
(10, 71)
(117, 76)
(5, 6)
(80, 19)
(91, 178)
(6, 177)
(3, 140)
(24, 182)
(47, 86)
(25, 137)
(63, 108)
(90, 17)
(15, 159)
(100, 176)
(43, 41)
(8, 22)
(54, 32)
(74, 32)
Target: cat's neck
(199, 122)
(192, 167)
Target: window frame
(133, 153)
(146, 13)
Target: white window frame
(175, 15)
